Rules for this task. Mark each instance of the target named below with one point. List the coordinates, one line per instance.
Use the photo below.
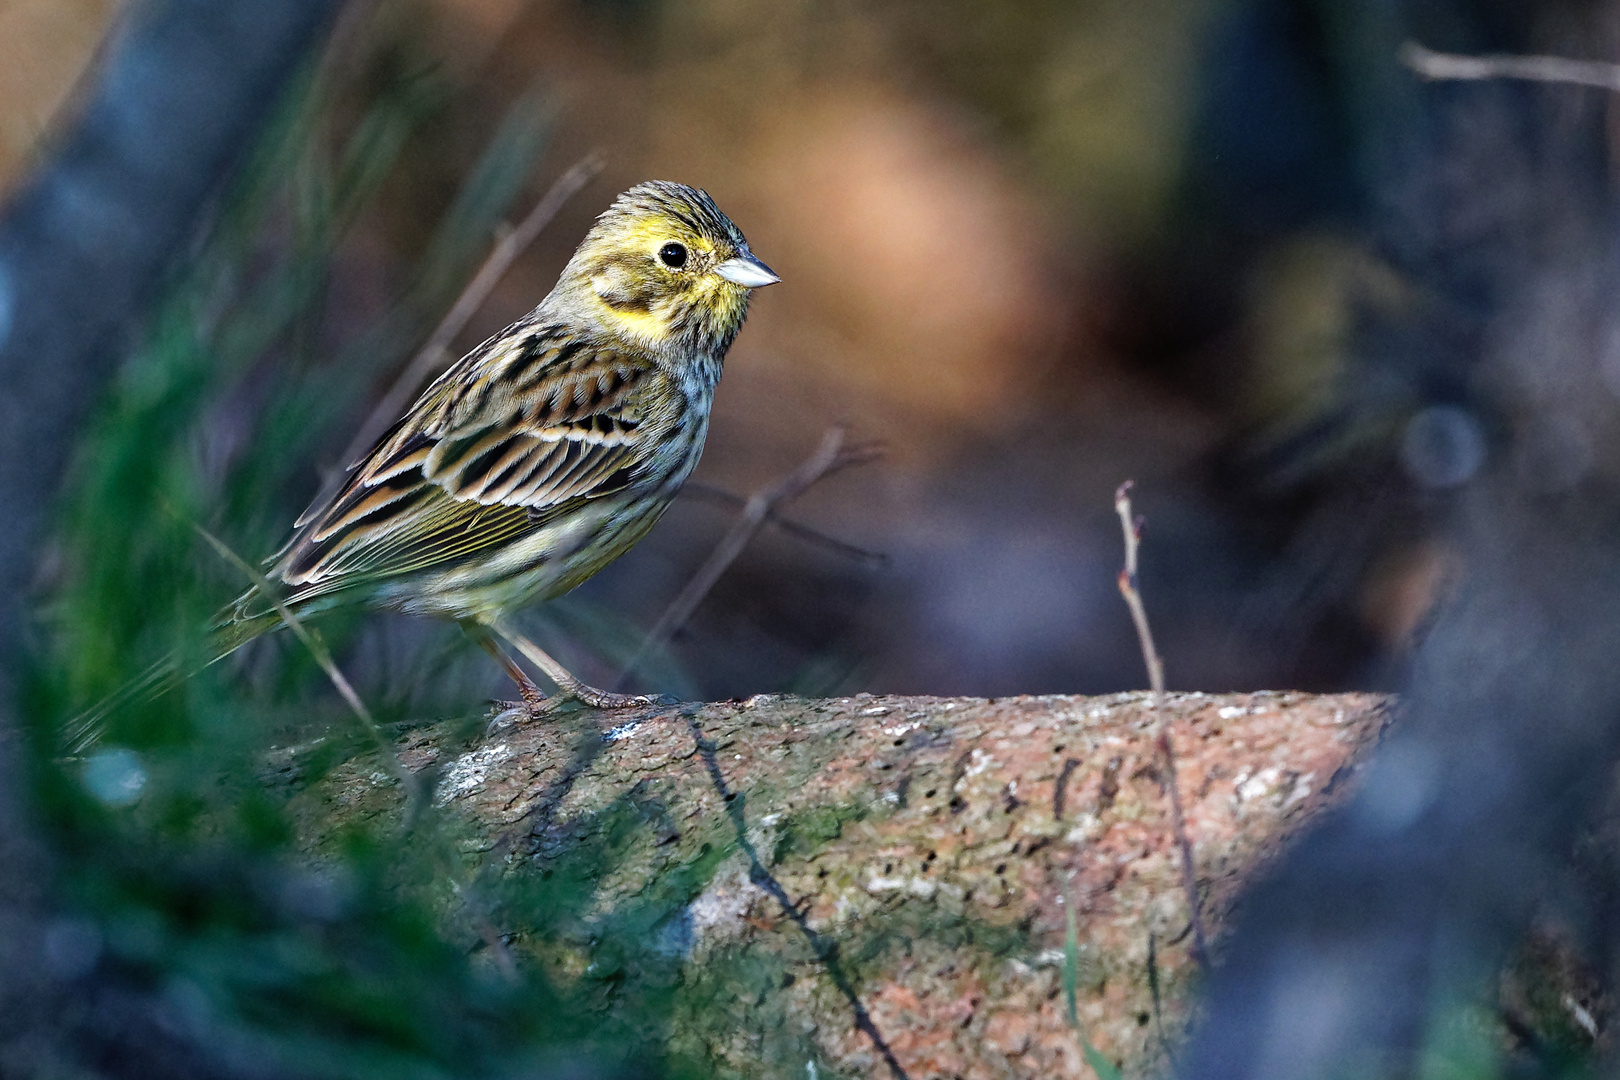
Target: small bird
(542, 455)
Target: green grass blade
(1105, 1069)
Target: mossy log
(876, 886)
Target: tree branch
(1132, 527)
(873, 883)
(1437, 66)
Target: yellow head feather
(650, 270)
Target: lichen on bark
(837, 887)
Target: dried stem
(416, 792)
(788, 525)
(1132, 527)
(317, 648)
(436, 350)
(828, 458)
(1548, 69)
(1127, 589)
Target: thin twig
(788, 525)
(416, 793)
(317, 648)
(1548, 69)
(1127, 588)
(487, 930)
(1132, 527)
(829, 457)
(436, 350)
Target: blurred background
(1037, 249)
(1229, 249)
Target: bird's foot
(540, 708)
(534, 706)
(605, 699)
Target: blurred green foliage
(178, 828)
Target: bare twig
(1127, 589)
(436, 350)
(1548, 69)
(416, 792)
(323, 656)
(829, 457)
(487, 930)
(1132, 527)
(788, 525)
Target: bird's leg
(534, 704)
(567, 685)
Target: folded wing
(513, 435)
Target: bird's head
(665, 268)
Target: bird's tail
(229, 633)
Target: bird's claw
(603, 699)
(538, 706)
(507, 713)
(531, 708)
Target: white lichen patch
(469, 771)
(1087, 827)
(916, 886)
(1260, 784)
(1302, 790)
(624, 730)
(978, 762)
(1249, 787)
(721, 909)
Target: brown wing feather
(475, 463)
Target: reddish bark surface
(928, 847)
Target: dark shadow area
(824, 948)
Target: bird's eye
(673, 255)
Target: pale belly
(545, 563)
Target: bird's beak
(747, 271)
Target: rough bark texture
(927, 846)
